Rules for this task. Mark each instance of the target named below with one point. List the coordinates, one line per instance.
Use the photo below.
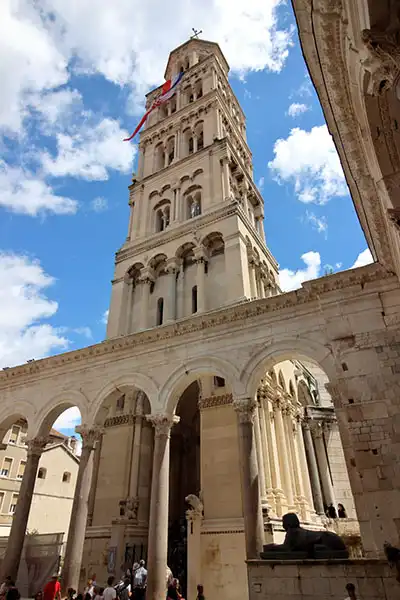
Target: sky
(74, 75)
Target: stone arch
(10, 415)
(214, 242)
(301, 348)
(56, 406)
(133, 380)
(192, 370)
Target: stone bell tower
(196, 237)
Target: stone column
(323, 465)
(265, 451)
(177, 213)
(273, 459)
(77, 525)
(146, 280)
(283, 452)
(226, 191)
(252, 274)
(297, 469)
(135, 458)
(16, 538)
(200, 258)
(313, 468)
(303, 464)
(260, 454)
(170, 308)
(95, 475)
(251, 500)
(158, 523)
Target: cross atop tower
(195, 34)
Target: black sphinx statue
(302, 543)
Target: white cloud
(42, 43)
(296, 109)
(91, 152)
(69, 419)
(291, 280)
(364, 258)
(23, 307)
(30, 62)
(104, 318)
(99, 204)
(260, 184)
(318, 223)
(85, 331)
(24, 193)
(308, 160)
(56, 107)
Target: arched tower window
(170, 149)
(194, 299)
(163, 216)
(194, 205)
(190, 145)
(199, 136)
(198, 89)
(160, 311)
(159, 221)
(159, 157)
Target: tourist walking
(140, 581)
(110, 592)
(342, 512)
(52, 589)
(12, 592)
(4, 586)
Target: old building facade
(194, 371)
(55, 482)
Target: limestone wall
(321, 579)
(223, 565)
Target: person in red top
(52, 589)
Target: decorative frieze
(128, 419)
(215, 401)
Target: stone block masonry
(321, 579)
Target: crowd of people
(331, 512)
(132, 586)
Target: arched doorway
(184, 478)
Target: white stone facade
(346, 323)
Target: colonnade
(291, 451)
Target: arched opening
(170, 149)
(159, 220)
(198, 89)
(184, 478)
(160, 311)
(199, 135)
(190, 145)
(162, 216)
(122, 471)
(302, 466)
(193, 203)
(194, 299)
(159, 157)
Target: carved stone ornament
(37, 445)
(196, 509)
(90, 435)
(162, 423)
(131, 508)
(245, 409)
(214, 401)
(383, 60)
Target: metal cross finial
(195, 33)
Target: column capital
(90, 435)
(36, 445)
(316, 429)
(162, 423)
(245, 409)
(147, 275)
(173, 264)
(200, 254)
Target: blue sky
(74, 78)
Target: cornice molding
(323, 29)
(309, 293)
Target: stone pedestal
(194, 520)
(158, 524)
(251, 499)
(16, 538)
(77, 526)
